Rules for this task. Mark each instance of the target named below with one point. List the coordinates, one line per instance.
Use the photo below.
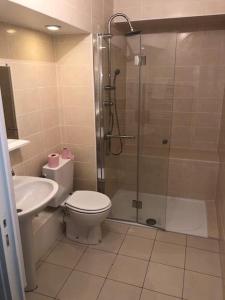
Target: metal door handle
(110, 136)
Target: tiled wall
(76, 98)
(199, 89)
(101, 11)
(183, 85)
(220, 199)
(151, 9)
(30, 56)
(53, 90)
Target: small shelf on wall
(14, 144)
(176, 24)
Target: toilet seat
(88, 202)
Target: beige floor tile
(44, 257)
(150, 295)
(96, 262)
(168, 254)
(34, 296)
(115, 227)
(137, 247)
(81, 286)
(202, 243)
(164, 279)
(203, 261)
(111, 242)
(129, 270)
(50, 279)
(144, 232)
(171, 237)
(65, 240)
(65, 255)
(113, 290)
(201, 287)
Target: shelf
(14, 144)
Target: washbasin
(32, 194)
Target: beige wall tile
(31, 59)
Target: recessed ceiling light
(11, 30)
(53, 27)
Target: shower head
(134, 32)
(109, 35)
(117, 72)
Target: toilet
(84, 211)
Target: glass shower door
(120, 108)
(155, 126)
(133, 169)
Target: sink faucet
(12, 172)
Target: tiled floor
(132, 263)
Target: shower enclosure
(133, 121)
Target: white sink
(32, 194)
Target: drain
(150, 222)
(19, 210)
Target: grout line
(72, 270)
(185, 259)
(140, 237)
(149, 260)
(206, 274)
(147, 269)
(159, 263)
(170, 243)
(117, 253)
(38, 293)
(204, 250)
(111, 267)
(161, 293)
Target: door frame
(13, 275)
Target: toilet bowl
(84, 210)
(84, 213)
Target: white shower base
(181, 215)
(186, 216)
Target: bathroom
(139, 103)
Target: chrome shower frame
(99, 122)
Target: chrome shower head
(115, 16)
(134, 32)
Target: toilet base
(84, 235)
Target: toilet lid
(88, 201)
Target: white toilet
(84, 210)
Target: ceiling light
(53, 27)
(11, 30)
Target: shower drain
(150, 222)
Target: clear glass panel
(157, 88)
(121, 118)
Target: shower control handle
(110, 136)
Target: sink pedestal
(26, 233)
(32, 195)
